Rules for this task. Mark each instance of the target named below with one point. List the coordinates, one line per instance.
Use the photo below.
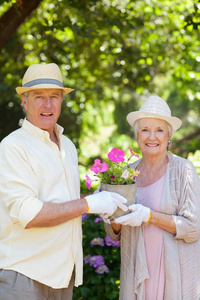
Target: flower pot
(128, 191)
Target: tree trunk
(13, 18)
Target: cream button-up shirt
(32, 171)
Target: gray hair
(135, 130)
(26, 98)
(25, 95)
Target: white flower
(125, 174)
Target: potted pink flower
(116, 175)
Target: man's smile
(46, 114)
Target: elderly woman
(160, 245)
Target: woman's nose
(152, 135)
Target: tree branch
(13, 18)
(191, 136)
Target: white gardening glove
(105, 218)
(105, 203)
(138, 215)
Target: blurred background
(114, 53)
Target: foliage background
(114, 53)
(98, 286)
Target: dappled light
(114, 54)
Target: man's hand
(105, 203)
(138, 215)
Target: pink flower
(133, 154)
(116, 155)
(88, 182)
(112, 177)
(99, 167)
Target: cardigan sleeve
(110, 232)
(187, 220)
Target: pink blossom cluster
(115, 155)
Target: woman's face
(152, 136)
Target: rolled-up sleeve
(18, 184)
(28, 210)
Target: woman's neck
(152, 169)
(154, 162)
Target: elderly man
(40, 205)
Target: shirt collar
(43, 134)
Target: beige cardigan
(181, 198)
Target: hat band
(43, 81)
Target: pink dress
(150, 196)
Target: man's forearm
(53, 214)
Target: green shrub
(195, 159)
(101, 263)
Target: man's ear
(24, 102)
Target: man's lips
(46, 114)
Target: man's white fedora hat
(42, 76)
(154, 107)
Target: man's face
(43, 108)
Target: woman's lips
(152, 145)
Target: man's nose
(47, 102)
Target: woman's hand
(144, 214)
(138, 215)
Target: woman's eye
(160, 130)
(143, 130)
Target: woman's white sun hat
(42, 76)
(154, 107)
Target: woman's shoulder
(179, 162)
(177, 159)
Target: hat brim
(21, 90)
(137, 115)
